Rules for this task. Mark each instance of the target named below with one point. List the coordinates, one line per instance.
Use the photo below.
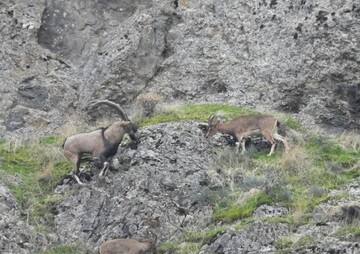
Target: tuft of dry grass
(229, 169)
(146, 105)
(349, 140)
(296, 160)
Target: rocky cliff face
(300, 58)
(56, 56)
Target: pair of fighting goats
(103, 143)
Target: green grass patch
(326, 152)
(189, 242)
(199, 112)
(66, 249)
(285, 244)
(235, 211)
(201, 236)
(178, 247)
(293, 124)
(348, 230)
(48, 140)
(299, 180)
(32, 171)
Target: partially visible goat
(101, 143)
(243, 126)
(128, 246)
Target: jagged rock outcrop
(163, 185)
(298, 57)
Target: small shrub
(295, 161)
(145, 105)
(350, 140)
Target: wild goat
(127, 246)
(243, 126)
(101, 143)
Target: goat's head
(213, 121)
(131, 130)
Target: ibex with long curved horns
(243, 126)
(101, 143)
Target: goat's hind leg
(270, 138)
(283, 140)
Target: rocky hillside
(195, 194)
(300, 58)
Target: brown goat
(101, 143)
(243, 126)
(127, 246)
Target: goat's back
(124, 246)
(85, 142)
(253, 122)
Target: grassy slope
(299, 180)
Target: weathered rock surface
(258, 237)
(161, 185)
(300, 58)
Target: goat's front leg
(241, 140)
(76, 172)
(77, 178)
(106, 166)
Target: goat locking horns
(243, 126)
(101, 143)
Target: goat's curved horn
(211, 118)
(112, 104)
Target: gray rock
(266, 211)
(258, 237)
